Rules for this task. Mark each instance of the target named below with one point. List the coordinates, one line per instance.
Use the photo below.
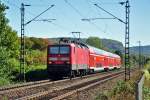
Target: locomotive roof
(102, 52)
(66, 41)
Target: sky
(68, 15)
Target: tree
(39, 43)
(4, 55)
(94, 41)
(9, 47)
(119, 53)
(11, 42)
(28, 43)
(8, 37)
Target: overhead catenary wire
(82, 16)
(40, 14)
(89, 2)
(30, 13)
(14, 5)
(106, 25)
(110, 13)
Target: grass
(146, 88)
(101, 96)
(33, 73)
(35, 67)
(125, 90)
(146, 92)
(4, 81)
(121, 90)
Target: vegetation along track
(42, 89)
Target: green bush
(4, 81)
(146, 92)
(146, 71)
(36, 57)
(4, 65)
(101, 97)
(124, 87)
(14, 64)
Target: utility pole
(22, 48)
(127, 35)
(23, 24)
(127, 42)
(139, 54)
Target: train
(70, 58)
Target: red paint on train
(75, 59)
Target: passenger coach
(72, 58)
(103, 60)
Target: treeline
(117, 48)
(35, 49)
(8, 48)
(97, 42)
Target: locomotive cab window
(54, 50)
(64, 50)
(59, 50)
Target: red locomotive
(72, 58)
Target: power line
(39, 14)
(106, 28)
(110, 13)
(73, 8)
(127, 36)
(77, 11)
(108, 3)
(14, 5)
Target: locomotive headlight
(53, 59)
(67, 62)
(49, 62)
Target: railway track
(22, 85)
(41, 90)
(69, 89)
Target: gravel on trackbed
(92, 93)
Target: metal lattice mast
(22, 48)
(127, 37)
(127, 43)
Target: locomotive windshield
(59, 50)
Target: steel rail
(17, 91)
(72, 88)
(22, 85)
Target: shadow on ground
(36, 75)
